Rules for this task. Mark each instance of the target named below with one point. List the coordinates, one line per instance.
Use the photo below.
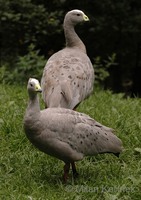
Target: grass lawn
(27, 174)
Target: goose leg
(75, 173)
(66, 171)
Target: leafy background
(114, 28)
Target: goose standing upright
(68, 76)
(66, 134)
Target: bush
(101, 68)
(30, 65)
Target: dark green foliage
(101, 68)
(115, 27)
(30, 65)
(24, 22)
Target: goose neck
(33, 104)
(72, 39)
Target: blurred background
(31, 31)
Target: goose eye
(31, 84)
(78, 14)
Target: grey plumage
(68, 76)
(66, 134)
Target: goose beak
(38, 88)
(85, 17)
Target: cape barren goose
(68, 76)
(66, 134)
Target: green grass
(27, 174)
